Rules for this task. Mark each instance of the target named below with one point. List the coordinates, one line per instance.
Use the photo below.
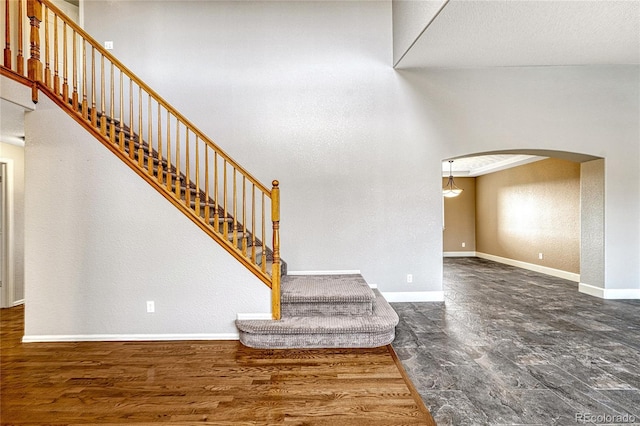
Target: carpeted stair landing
(324, 311)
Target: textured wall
(531, 209)
(589, 110)
(460, 217)
(410, 18)
(100, 242)
(592, 220)
(302, 92)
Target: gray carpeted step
(367, 331)
(325, 295)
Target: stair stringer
(100, 242)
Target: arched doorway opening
(534, 209)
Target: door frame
(7, 247)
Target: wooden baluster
(103, 112)
(235, 211)
(34, 66)
(94, 110)
(225, 225)
(168, 151)
(140, 133)
(187, 180)
(216, 208)
(207, 207)
(19, 57)
(149, 138)
(85, 102)
(264, 237)
(275, 269)
(121, 115)
(47, 46)
(112, 115)
(132, 149)
(159, 144)
(244, 215)
(65, 75)
(7, 35)
(253, 223)
(56, 76)
(197, 178)
(178, 177)
(74, 93)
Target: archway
(536, 209)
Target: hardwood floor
(215, 382)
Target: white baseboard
(609, 293)
(459, 254)
(255, 316)
(414, 296)
(532, 267)
(345, 272)
(18, 302)
(127, 337)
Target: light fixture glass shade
(450, 190)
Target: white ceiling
(500, 33)
(484, 164)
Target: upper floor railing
(147, 133)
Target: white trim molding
(255, 316)
(345, 272)
(532, 267)
(7, 253)
(459, 254)
(18, 302)
(413, 296)
(127, 337)
(609, 293)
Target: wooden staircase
(194, 174)
(157, 142)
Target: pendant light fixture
(450, 190)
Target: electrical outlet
(409, 278)
(540, 256)
(151, 306)
(464, 244)
(108, 45)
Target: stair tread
(350, 288)
(383, 319)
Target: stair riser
(326, 340)
(325, 309)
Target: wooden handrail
(179, 166)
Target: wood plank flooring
(214, 382)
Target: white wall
(100, 242)
(588, 110)
(410, 18)
(302, 92)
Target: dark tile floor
(514, 347)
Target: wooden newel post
(275, 269)
(34, 65)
